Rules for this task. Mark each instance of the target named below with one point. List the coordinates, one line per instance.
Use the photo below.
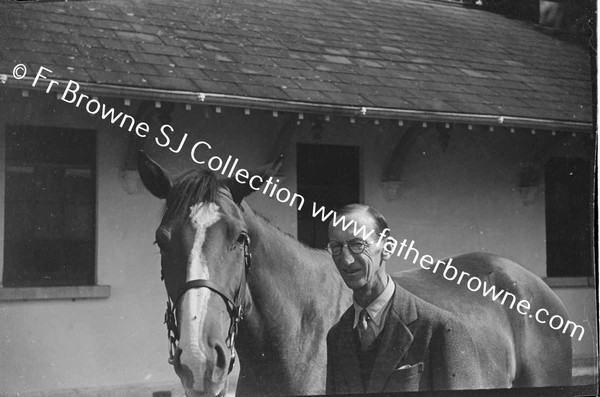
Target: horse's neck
(292, 282)
(296, 295)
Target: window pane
(50, 207)
(569, 214)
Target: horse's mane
(190, 188)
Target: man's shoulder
(345, 319)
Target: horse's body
(294, 295)
(293, 318)
(514, 350)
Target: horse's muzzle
(214, 378)
(193, 393)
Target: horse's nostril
(221, 358)
(174, 360)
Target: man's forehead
(359, 218)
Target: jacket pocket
(405, 378)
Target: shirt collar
(376, 308)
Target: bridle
(235, 306)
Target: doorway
(329, 176)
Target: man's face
(358, 270)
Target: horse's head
(204, 245)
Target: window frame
(94, 291)
(570, 282)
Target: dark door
(328, 175)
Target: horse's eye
(160, 248)
(163, 237)
(243, 238)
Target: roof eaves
(193, 97)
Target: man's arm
(454, 358)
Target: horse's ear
(241, 190)
(155, 178)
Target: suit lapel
(348, 355)
(396, 338)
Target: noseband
(235, 307)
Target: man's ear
(241, 190)
(386, 250)
(155, 178)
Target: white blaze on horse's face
(195, 354)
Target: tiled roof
(401, 54)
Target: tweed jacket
(422, 347)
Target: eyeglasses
(355, 246)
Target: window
(50, 207)
(569, 217)
(328, 175)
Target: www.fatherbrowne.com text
(71, 94)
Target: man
(390, 340)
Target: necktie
(366, 331)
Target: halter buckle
(172, 333)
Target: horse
(236, 283)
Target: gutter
(191, 97)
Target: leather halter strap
(200, 283)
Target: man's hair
(378, 218)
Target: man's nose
(347, 256)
